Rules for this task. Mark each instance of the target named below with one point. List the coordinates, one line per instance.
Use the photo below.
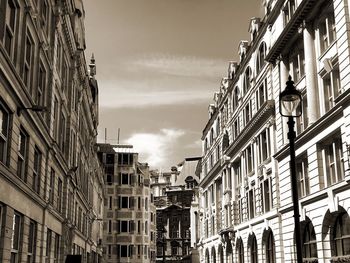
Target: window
(326, 27)
(249, 159)
(11, 19)
(260, 60)
(332, 160)
(253, 250)
(36, 170)
(125, 178)
(246, 80)
(48, 244)
(247, 113)
(302, 175)
(331, 88)
(263, 143)
(22, 155)
(240, 251)
(62, 136)
(125, 158)
(59, 195)
(303, 120)
(237, 174)
(52, 186)
(297, 60)
(28, 60)
(251, 203)
(270, 248)
(309, 242)
(235, 98)
(32, 242)
(126, 202)
(57, 249)
(266, 192)
(4, 128)
(125, 226)
(261, 94)
(235, 128)
(288, 11)
(16, 237)
(41, 87)
(341, 235)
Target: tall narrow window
(302, 175)
(263, 142)
(59, 195)
(16, 237)
(32, 239)
(270, 248)
(333, 161)
(57, 249)
(52, 186)
(11, 19)
(4, 128)
(260, 61)
(240, 251)
(36, 170)
(297, 60)
(246, 80)
(331, 88)
(253, 250)
(266, 190)
(48, 245)
(288, 10)
(326, 27)
(28, 60)
(22, 155)
(41, 87)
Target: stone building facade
(51, 182)
(176, 201)
(129, 222)
(246, 212)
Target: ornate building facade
(129, 222)
(51, 182)
(176, 201)
(246, 212)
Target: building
(51, 182)
(129, 222)
(176, 201)
(246, 212)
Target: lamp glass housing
(290, 101)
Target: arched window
(213, 254)
(221, 254)
(253, 247)
(246, 80)
(260, 61)
(240, 251)
(309, 242)
(229, 253)
(270, 248)
(207, 258)
(341, 235)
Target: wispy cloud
(155, 148)
(187, 66)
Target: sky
(158, 64)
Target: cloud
(155, 148)
(186, 66)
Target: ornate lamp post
(290, 106)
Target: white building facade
(246, 210)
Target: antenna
(118, 135)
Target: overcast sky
(159, 63)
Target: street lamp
(290, 106)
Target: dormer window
(288, 11)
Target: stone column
(310, 73)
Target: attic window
(78, 12)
